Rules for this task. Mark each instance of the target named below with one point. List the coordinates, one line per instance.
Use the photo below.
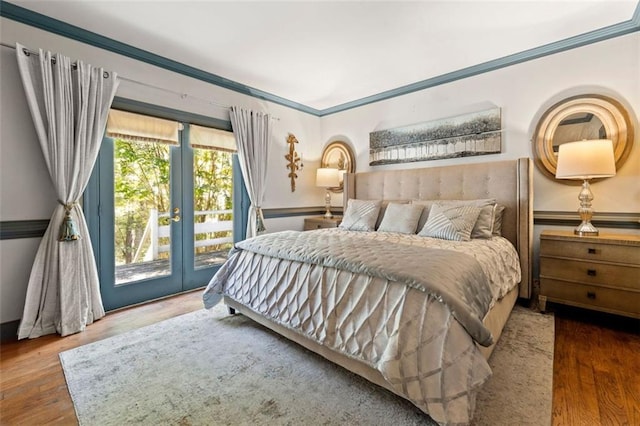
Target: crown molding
(595, 36)
(46, 23)
(55, 26)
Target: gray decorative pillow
(361, 215)
(402, 218)
(383, 209)
(497, 220)
(451, 222)
(483, 228)
(426, 208)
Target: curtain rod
(182, 95)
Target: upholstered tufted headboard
(509, 182)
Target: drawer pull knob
(591, 295)
(591, 272)
(591, 251)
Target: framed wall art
(477, 133)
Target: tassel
(68, 231)
(259, 221)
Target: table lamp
(327, 178)
(584, 160)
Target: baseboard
(9, 331)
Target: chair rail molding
(603, 219)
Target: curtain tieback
(68, 230)
(260, 220)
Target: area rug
(210, 368)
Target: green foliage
(212, 180)
(141, 184)
(212, 187)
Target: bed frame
(509, 182)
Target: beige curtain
(69, 103)
(252, 131)
(142, 128)
(210, 138)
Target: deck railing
(155, 232)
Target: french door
(168, 211)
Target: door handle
(176, 215)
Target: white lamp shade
(327, 178)
(586, 160)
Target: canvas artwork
(477, 133)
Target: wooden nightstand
(321, 222)
(601, 273)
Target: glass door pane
(142, 210)
(212, 206)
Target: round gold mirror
(579, 118)
(338, 155)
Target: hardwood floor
(596, 371)
(596, 367)
(33, 390)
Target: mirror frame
(339, 147)
(614, 117)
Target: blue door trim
(101, 223)
(241, 203)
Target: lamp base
(327, 205)
(586, 229)
(586, 212)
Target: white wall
(25, 188)
(523, 92)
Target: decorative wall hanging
(294, 161)
(577, 118)
(477, 133)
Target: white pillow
(361, 215)
(451, 222)
(402, 218)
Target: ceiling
(322, 54)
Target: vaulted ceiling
(324, 54)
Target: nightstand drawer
(608, 299)
(591, 251)
(590, 272)
(318, 225)
(321, 223)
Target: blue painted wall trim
(28, 17)
(43, 22)
(612, 31)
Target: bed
(416, 314)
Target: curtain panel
(69, 102)
(252, 131)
